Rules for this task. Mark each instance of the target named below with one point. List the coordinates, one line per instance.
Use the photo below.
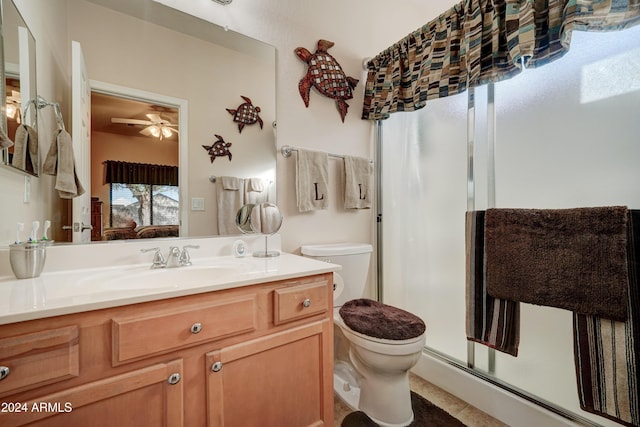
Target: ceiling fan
(155, 126)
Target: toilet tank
(350, 282)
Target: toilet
(375, 345)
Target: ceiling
(105, 107)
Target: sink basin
(146, 278)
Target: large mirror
(167, 90)
(19, 76)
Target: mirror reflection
(162, 83)
(262, 218)
(20, 148)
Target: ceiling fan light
(155, 131)
(224, 2)
(167, 131)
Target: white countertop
(64, 292)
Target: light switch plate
(197, 203)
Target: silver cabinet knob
(196, 328)
(306, 303)
(216, 367)
(174, 378)
(4, 372)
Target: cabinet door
(150, 396)
(284, 379)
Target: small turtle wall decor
(246, 114)
(326, 75)
(219, 148)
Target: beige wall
(360, 29)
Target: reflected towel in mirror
(254, 191)
(230, 198)
(5, 142)
(25, 151)
(60, 162)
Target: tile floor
(466, 413)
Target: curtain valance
(482, 41)
(140, 173)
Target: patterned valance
(140, 173)
(482, 41)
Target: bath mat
(425, 414)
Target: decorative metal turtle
(325, 74)
(220, 148)
(246, 114)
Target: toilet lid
(374, 319)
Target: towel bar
(286, 151)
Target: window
(144, 204)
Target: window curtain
(140, 173)
(482, 41)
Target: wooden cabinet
(277, 380)
(149, 396)
(252, 356)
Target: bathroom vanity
(254, 348)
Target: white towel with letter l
(312, 180)
(357, 179)
(230, 200)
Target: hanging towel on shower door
(357, 179)
(574, 259)
(607, 352)
(312, 180)
(230, 199)
(490, 321)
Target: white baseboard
(495, 401)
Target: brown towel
(574, 259)
(490, 321)
(607, 353)
(61, 163)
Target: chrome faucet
(185, 258)
(176, 257)
(158, 259)
(173, 259)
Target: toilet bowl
(375, 344)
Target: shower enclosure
(561, 136)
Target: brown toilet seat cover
(378, 320)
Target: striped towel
(490, 321)
(607, 352)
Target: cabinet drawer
(300, 301)
(182, 326)
(44, 357)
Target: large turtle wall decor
(246, 114)
(219, 148)
(326, 75)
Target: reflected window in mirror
(144, 204)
